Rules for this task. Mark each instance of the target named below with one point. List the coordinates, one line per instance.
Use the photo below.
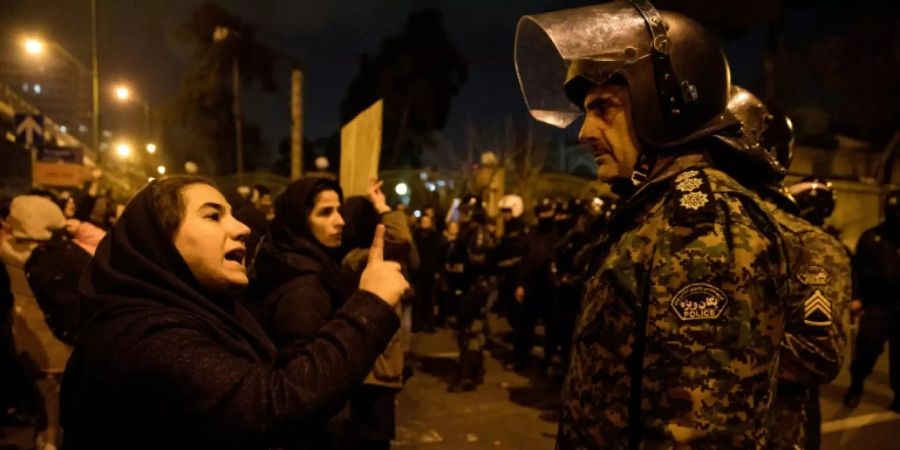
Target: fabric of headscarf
(137, 272)
(291, 250)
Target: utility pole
(95, 71)
(238, 120)
(296, 124)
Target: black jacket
(53, 270)
(876, 267)
(158, 364)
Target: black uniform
(467, 265)
(877, 268)
(536, 277)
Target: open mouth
(237, 255)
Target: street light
(33, 46)
(125, 94)
(151, 148)
(221, 34)
(161, 170)
(36, 47)
(123, 149)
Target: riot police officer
(877, 266)
(534, 295)
(468, 268)
(569, 265)
(678, 336)
(509, 251)
(758, 154)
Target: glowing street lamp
(401, 189)
(123, 150)
(151, 148)
(123, 93)
(33, 46)
(161, 170)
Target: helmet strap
(675, 95)
(645, 163)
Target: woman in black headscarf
(297, 282)
(165, 358)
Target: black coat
(54, 269)
(876, 267)
(159, 365)
(297, 288)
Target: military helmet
(779, 135)
(815, 197)
(759, 144)
(512, 204)
(544, 208)
(676, 72)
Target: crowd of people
(701, 306)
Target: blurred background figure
(877, 268)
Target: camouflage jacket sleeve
(815, 335)
(718, 279)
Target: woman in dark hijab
(297, 282)
(165, 358)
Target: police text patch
(817, 310)
(699, 301)
(814, 276)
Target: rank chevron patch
(817, 310)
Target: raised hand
(380, 277)
(377, 197)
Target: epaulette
(692, 195)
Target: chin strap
(642, 169)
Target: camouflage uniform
(814, 339)
(688, 298)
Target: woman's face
(211, 241)
(325, 221)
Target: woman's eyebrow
(217, 206)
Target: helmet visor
(591, 43)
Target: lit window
(82, 129)
(24, 87)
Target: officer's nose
(590, 131)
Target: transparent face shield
(592, 43)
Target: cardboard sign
(361, 150)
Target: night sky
(137, 44)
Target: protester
(166, 358)
(33, 220)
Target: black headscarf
(137, 272)
(290, 249)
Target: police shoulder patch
(813, 275)
(699, 301)
(693, 197)
(817, 310)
